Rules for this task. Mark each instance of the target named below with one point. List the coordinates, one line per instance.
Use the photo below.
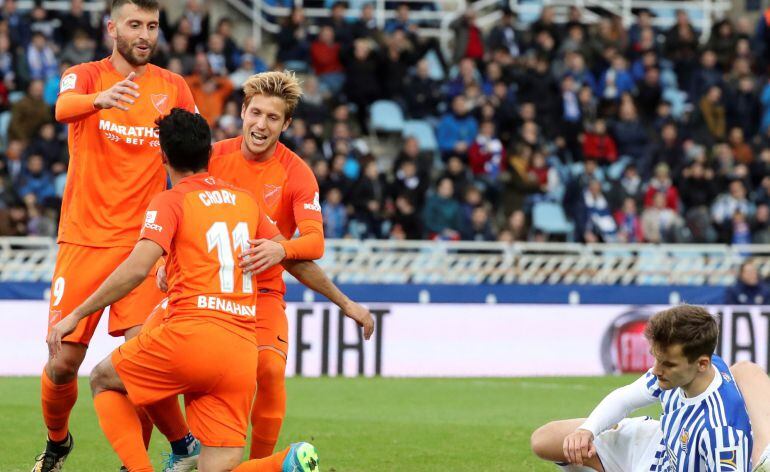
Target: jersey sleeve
(78, 79)
(162, 219)
(266, 228)
(77, 93)
(649, 383)
(305, 197)
(725, 449)
(618, 404)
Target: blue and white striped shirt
(707, 433)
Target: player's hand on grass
(120, 94)
(160, 279)
(579, 446)
(262, 255)
(61, 329)
(361, 315)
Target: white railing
(427, 262)
(93, 6)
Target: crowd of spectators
(640, 134)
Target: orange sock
(58, 401)
(167, 416)
(272, 463)
(118, 419)
(269, 407)
(146, 422)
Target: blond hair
(283, 85)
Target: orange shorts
(272, 325)
(212, 366)
(79, 271)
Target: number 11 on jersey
(218, 236)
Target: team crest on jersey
(272, 194)
(727, 377)
(209, 180)
(684, 437)
(160, 101)
(68, 82)
(728, 460)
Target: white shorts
(630, 446)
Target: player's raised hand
(119, 95)
(579, 446)
(361, 315)
(61, 329)
(160, 279)
(262, 255)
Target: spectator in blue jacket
(616, 80)
(442, 214)
(457, 129)
(36, 180)
(748, 289)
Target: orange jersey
(283, 185)
(115, 163)
(204, 224)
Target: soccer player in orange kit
(202, 224)
(287, 191)
(115, 169)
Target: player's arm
(313, 277)
(125, 278)
(271, 252)
(725, 448)
(613, 408)
(76, 102)
(309, 245)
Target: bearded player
(115, 170)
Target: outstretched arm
(313, 277)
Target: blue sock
(182, 447)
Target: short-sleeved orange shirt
(115, 164)
(203, 224)
(283, 185)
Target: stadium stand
(594, 121)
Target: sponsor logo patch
(316, 205)
(68, 82)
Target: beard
(126, 49)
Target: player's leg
(269, 407)
(70, 286)
(142, 310)
(547, 443)
(118, 417)
(299, 457)
(219, 459)
(754, 385)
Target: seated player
(704, 425)
(206, 349)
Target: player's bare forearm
(313, 277)
(74, 107)
(310, 274)
(125, 278)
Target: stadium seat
(549, 218)
(386, 116)
(5, 120)
(435, 70)
(423, 132)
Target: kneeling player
(206, 349)
(704, 425)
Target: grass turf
(357, 424)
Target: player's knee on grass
(105, 377)
(64, 367)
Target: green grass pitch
(357, 424)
